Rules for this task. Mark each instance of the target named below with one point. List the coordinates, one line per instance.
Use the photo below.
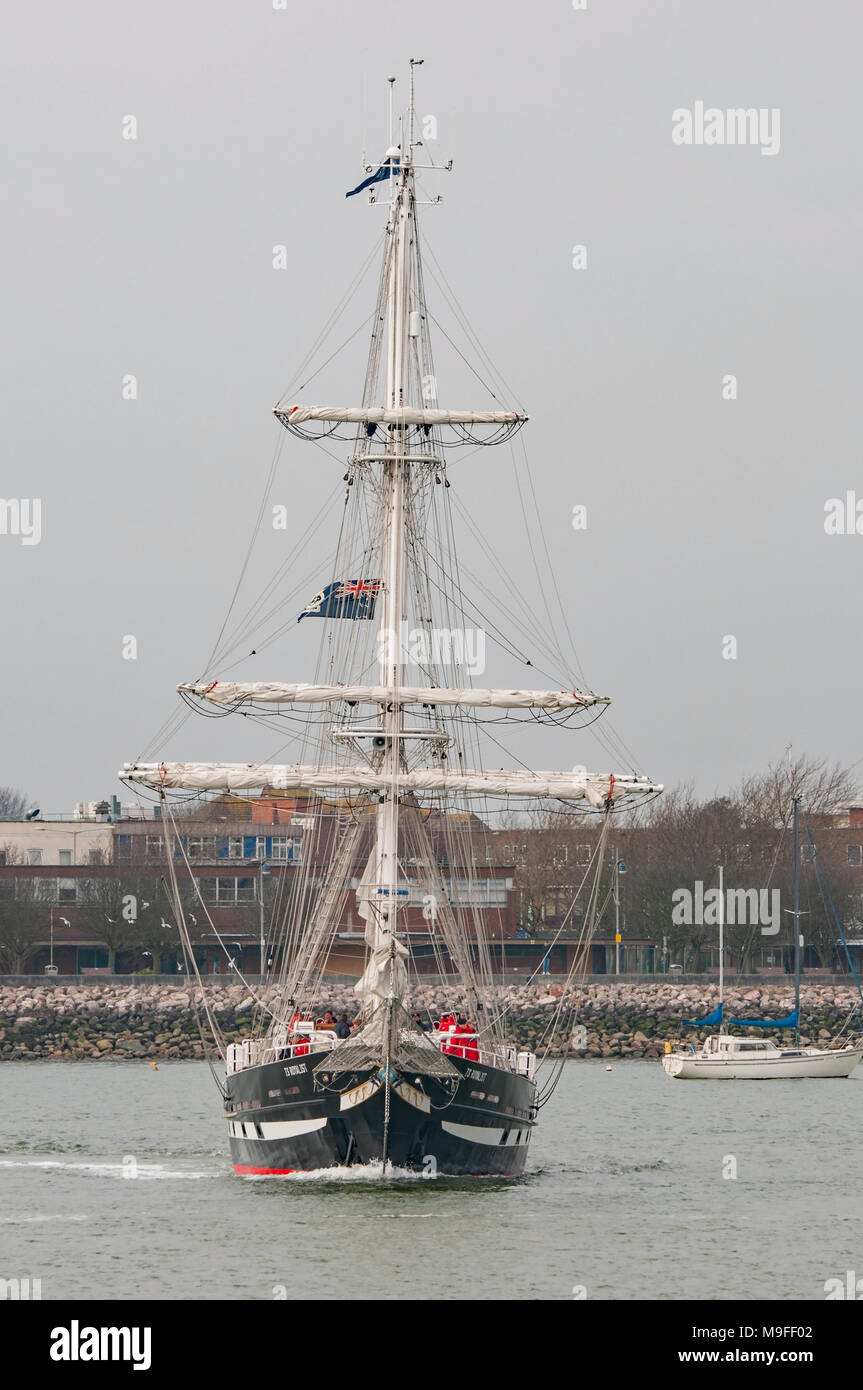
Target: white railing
(505, 1058)
(257, 1052)
(305, 1039)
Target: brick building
(69, 878)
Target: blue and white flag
(344, 598)
(377, 177)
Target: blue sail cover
(711, 1021)
(791, 1021)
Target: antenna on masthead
(391, 81)
(414, 63)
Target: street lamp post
(616, 915)
(263, 868)
(51, 968)
(619, 868)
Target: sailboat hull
(478, 1126)
(785, 1065)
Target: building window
(559, 856)
(477, 892)
(227, 891)
(2, 856)
(202, 847)
(94, 856)
(154, 848)
(557, 902)
(91, 958)
(582, 854)
(235, 847)
(67, 890)
(743, 853)
(855, 855)
(245, 890)
(65, 856)
(515, 854)
(34, 856)
(285, 849)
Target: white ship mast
(413, 441)
(385, 901)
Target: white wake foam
(141, 1171)
(357, 1172)
(21, 1219)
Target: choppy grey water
(626, 1196)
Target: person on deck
(458, 1045)
(471, 1050)
(342, 1029)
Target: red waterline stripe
(280, 1172)
(262, 1172)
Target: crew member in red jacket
(471, 1050)
(458, 1045)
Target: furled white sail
(401, 415)
(385, 975)
(276, 692)
(594, 787)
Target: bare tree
(24, 915)
(765, 798)
(13, 804)
(119, 902)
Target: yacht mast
(721, 944)
(795, 803)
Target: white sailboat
(726, 1057)
(388, 751)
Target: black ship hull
(292, 1116)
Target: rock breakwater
(105, 1021)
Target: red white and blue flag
(344, 598)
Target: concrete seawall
(152, 1021)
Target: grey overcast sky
(153, 257)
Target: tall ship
(388, 738)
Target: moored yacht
(724, 1057)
